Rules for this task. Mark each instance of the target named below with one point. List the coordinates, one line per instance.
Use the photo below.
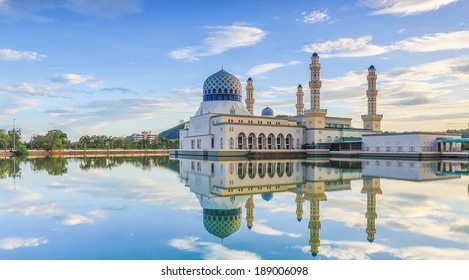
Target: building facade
(145, 135)
(410, 142)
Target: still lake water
(157, 208)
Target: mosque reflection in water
(226, 188)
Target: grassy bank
(90, 152)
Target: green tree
(5, 139)
(55, 140)
(37, 142)
(21, 150)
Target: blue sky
(115, 67)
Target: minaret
(299, 101)
(250, 96)
(315, 82)
(299, 206)
(250, 211)
(371, 186)
(372, 121)
(316, 117)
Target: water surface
(156, 208)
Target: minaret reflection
(300, 198)
(314, 192)
(250, 211)
(371, 186)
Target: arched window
(289, 168)
(270, 141)
(241, 141)
(328, 139)
(232, 143)
(251, 141)
(241, 170)
(336, 139)
(260, 141)
(270, 170)
(280, 169)
(251, 170)
(280, 141)
(261, 169)
(232, 110)
(288, 142)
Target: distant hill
(172, 133)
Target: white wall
(321, 135)
(405, 143)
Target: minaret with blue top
(372, 121)
(315, 82)
(299, 101)
(250, 96)
(316, 117)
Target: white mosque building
(224, 124)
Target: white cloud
(272, 92)
(356, 250)
(219, 40)
(73, 78)
(49, 208)
(260, 228)
(10, 105)
(315, 16)
(405, 7)
(195, 92)
(12, 243)
(362, 46)
(13, 55)
(434, 42)
(211, 251)
(93, 217)
(264, 68)
(24, 88)
(346, 47)
(267, 67)
(431, 253)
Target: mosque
(223, 123)
(224, 126)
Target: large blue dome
(222, 86)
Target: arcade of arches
(261, 142)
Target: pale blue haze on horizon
(118, 67)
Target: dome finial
(222, 66)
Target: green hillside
(172, 133)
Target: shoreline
(90, 152)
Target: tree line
(56, 166)
(56, 139)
